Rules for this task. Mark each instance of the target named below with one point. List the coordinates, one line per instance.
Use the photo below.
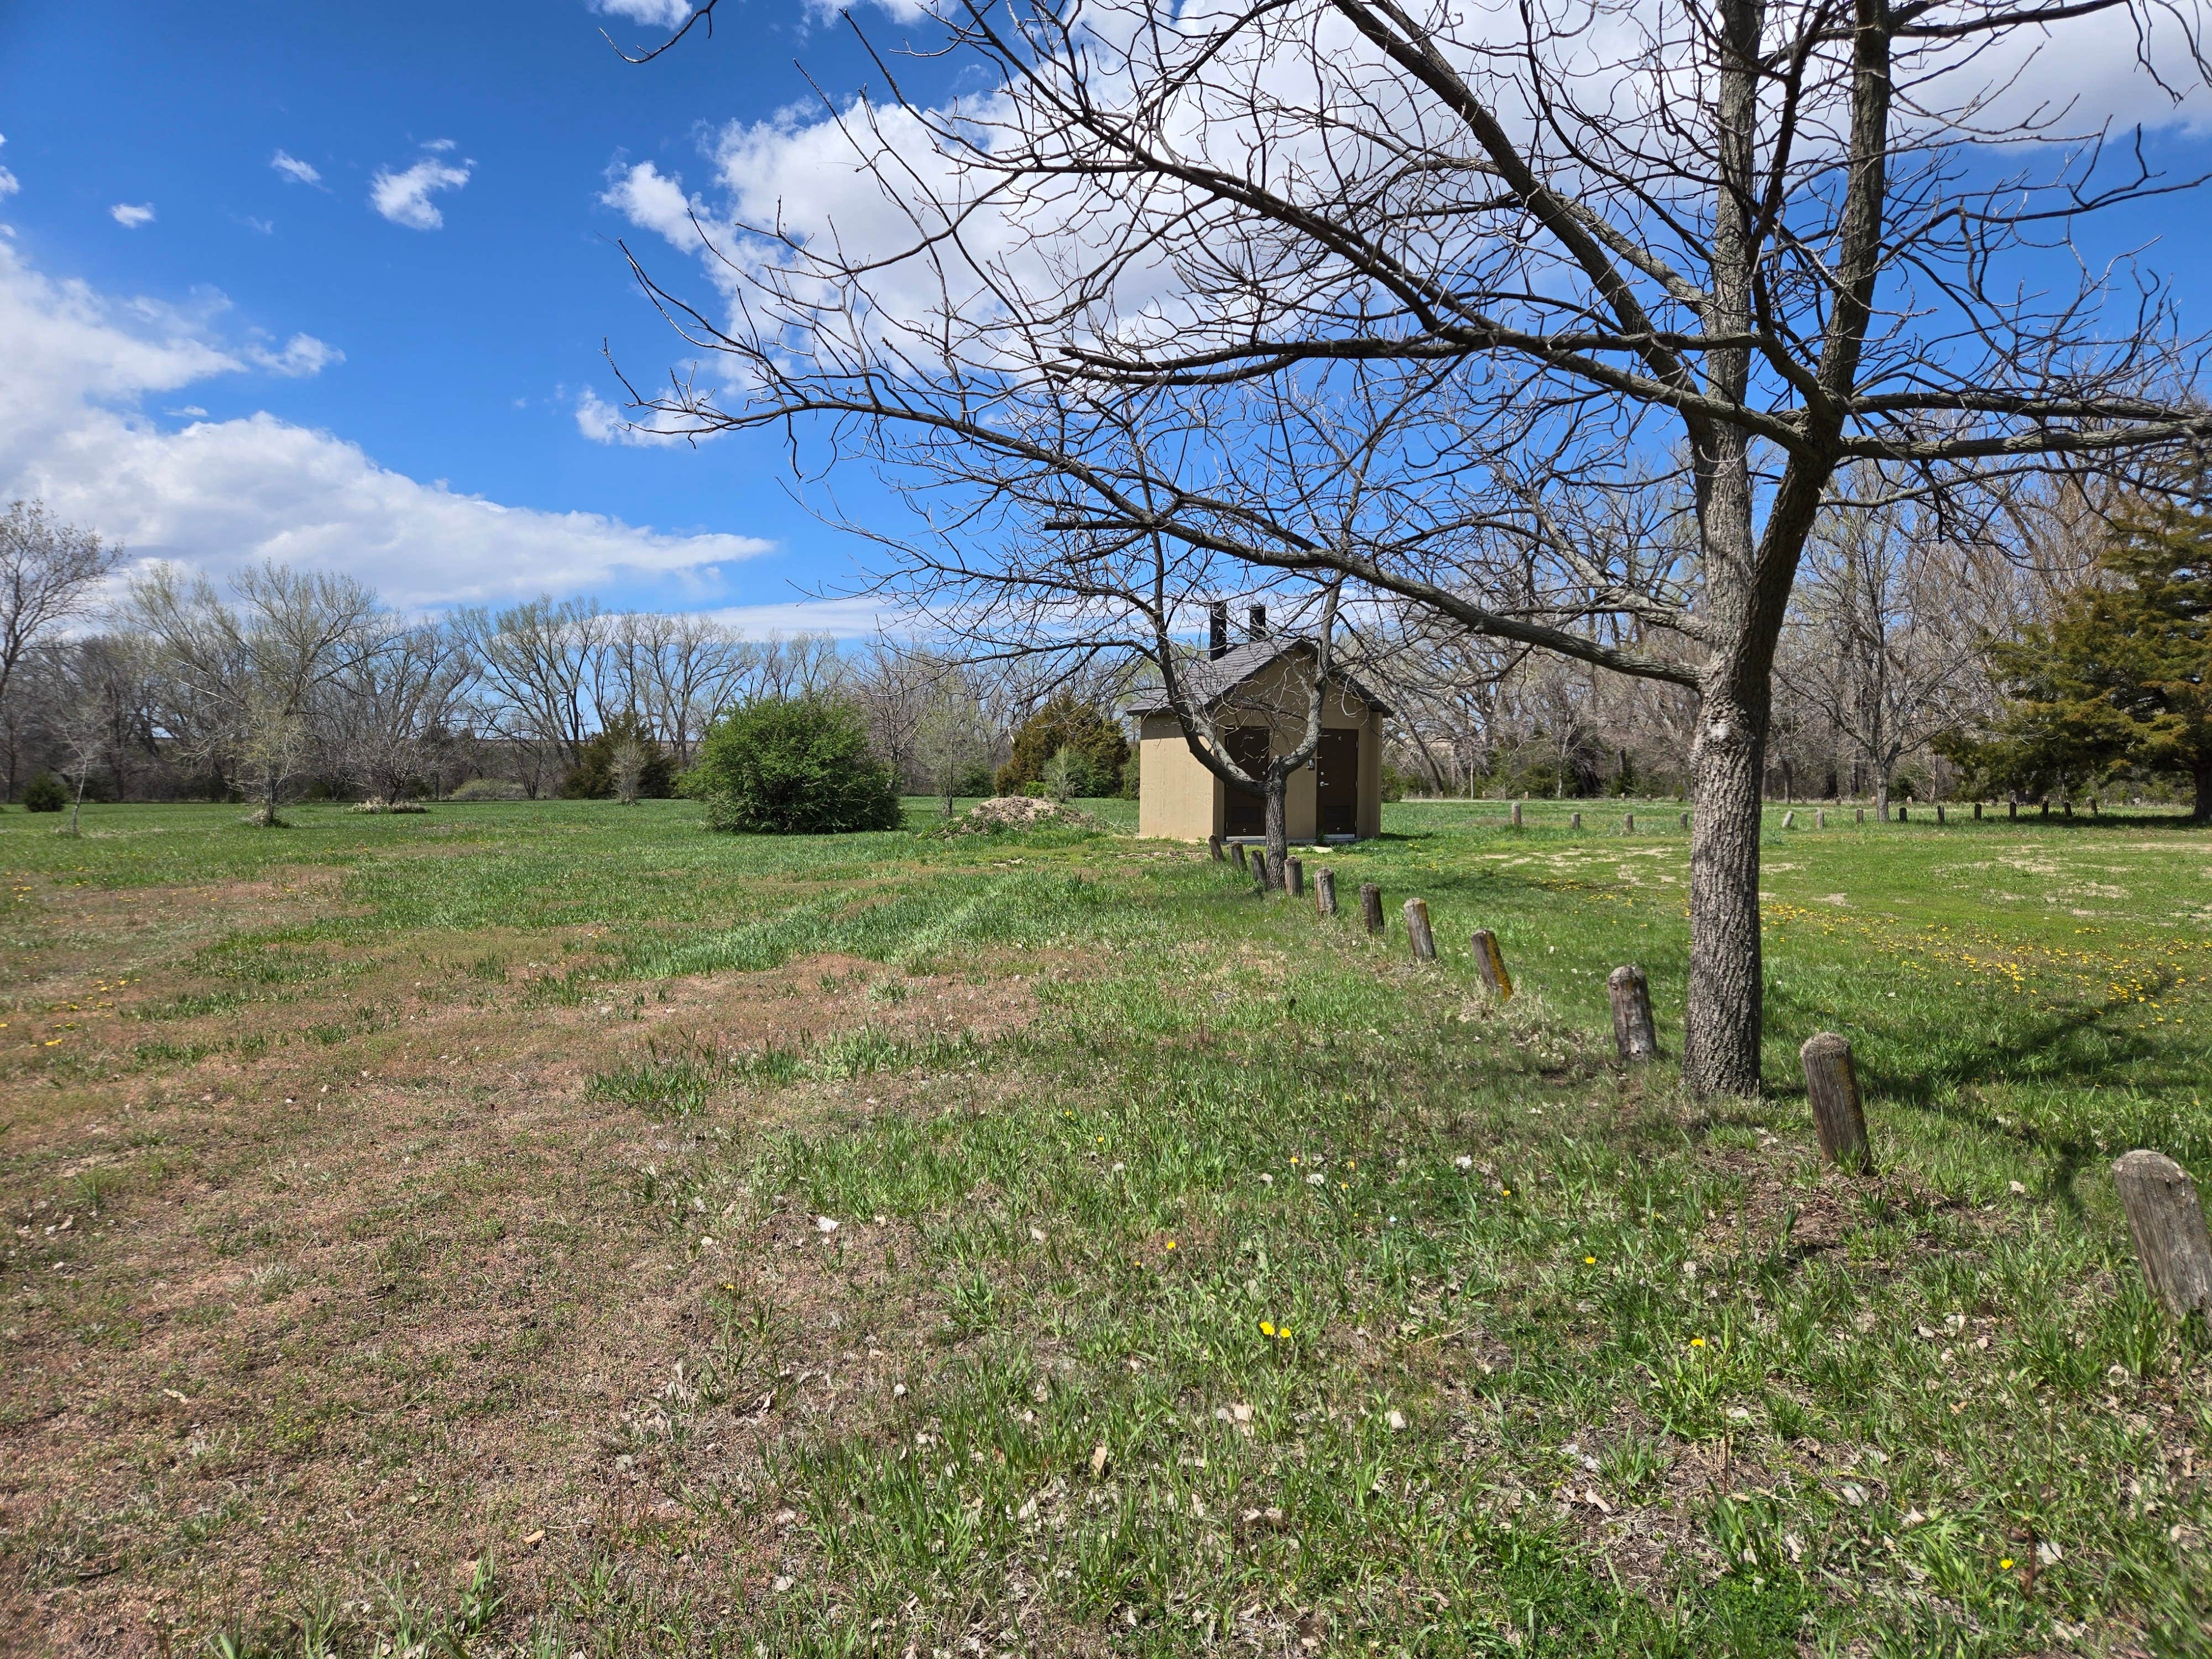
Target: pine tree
(2121, 677)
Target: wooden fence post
(1371, 906)
(1214, 846)
(1628, 822)
(1903, 812)
(1259, 867)
(1820, 818)
(1574, 820)
(1832, 1085)
(1517, 815)
(1633, 1034)
(1789, 820)
(1294, 877)
(1862, 814)
(1237, 849)
(1492, 961)
(1978, 812)
(2168, 1223)
(1686, 820)
(1325, 891)
(1416, 930)
(1939, 812)
(2012, 809)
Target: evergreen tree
(2121, 677)
(1093, 742)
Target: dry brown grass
(326, 1310)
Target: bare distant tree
(678, 672)
(540, 664)
(50, 573)
(1883, 642)
(1626, 284)
(243, 676)
(383, 715)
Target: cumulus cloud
(293, 170)
(657, 14)
(218, 495)
(131, 214)
(404, 198)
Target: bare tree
(1883, 642)
(541, 665)
(1629, 284)
(677, 673)
(381, 717)
(245, 676)
(50, 573)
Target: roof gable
(1210, 680)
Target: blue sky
(456, 338)
(329, 284)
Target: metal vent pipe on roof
(1256, 623)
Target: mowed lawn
(553, 1229)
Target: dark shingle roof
(1209, 680)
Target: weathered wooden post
(1904, 813)
(1259, 867)
(1416, 930)
(1832, 1083)
(1574, 820)
(1517, 815)
(2167, 1221)
(1492, 961)
(1686, 820)
(1789, 820)
(2012, 809)
(1294, 877)
(2069, 809)
(1939, 811)
(1633, 1033)
(1325, 891)
(2046, 808)
(1862, 814)
(1628, 822)
(1820, 818)
(1214, 846)
(1371, 906)
(1978, 812)
(1238, 848)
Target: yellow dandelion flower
(1171, 1243)
(1283, 1333)
(1267, 1328)
(2005, 1566)
(1697, 1341)
(1589, 1262)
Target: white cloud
(217, 494)
(259, 226)
(603, 422)
(845, 619)
(8, 183)
(659, 14)
(130, 215)
(404, 198)
(294, 170)
(302, 354)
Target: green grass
(1265, 1286)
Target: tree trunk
(2202, 811)
(1279, 824)
(1881, 795)
(1720, 1049)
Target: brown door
(1336, 782)
(1245, 814)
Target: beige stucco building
(1256, 696)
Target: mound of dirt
(1018, 812)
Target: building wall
(1178, 799)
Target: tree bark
(1720, 1048)
(2202, 811)
(1279, 824)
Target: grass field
(420, 1238)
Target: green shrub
(793, 766)
(597, 774)
(45, 793)
(488, 789)
(1092, 741)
